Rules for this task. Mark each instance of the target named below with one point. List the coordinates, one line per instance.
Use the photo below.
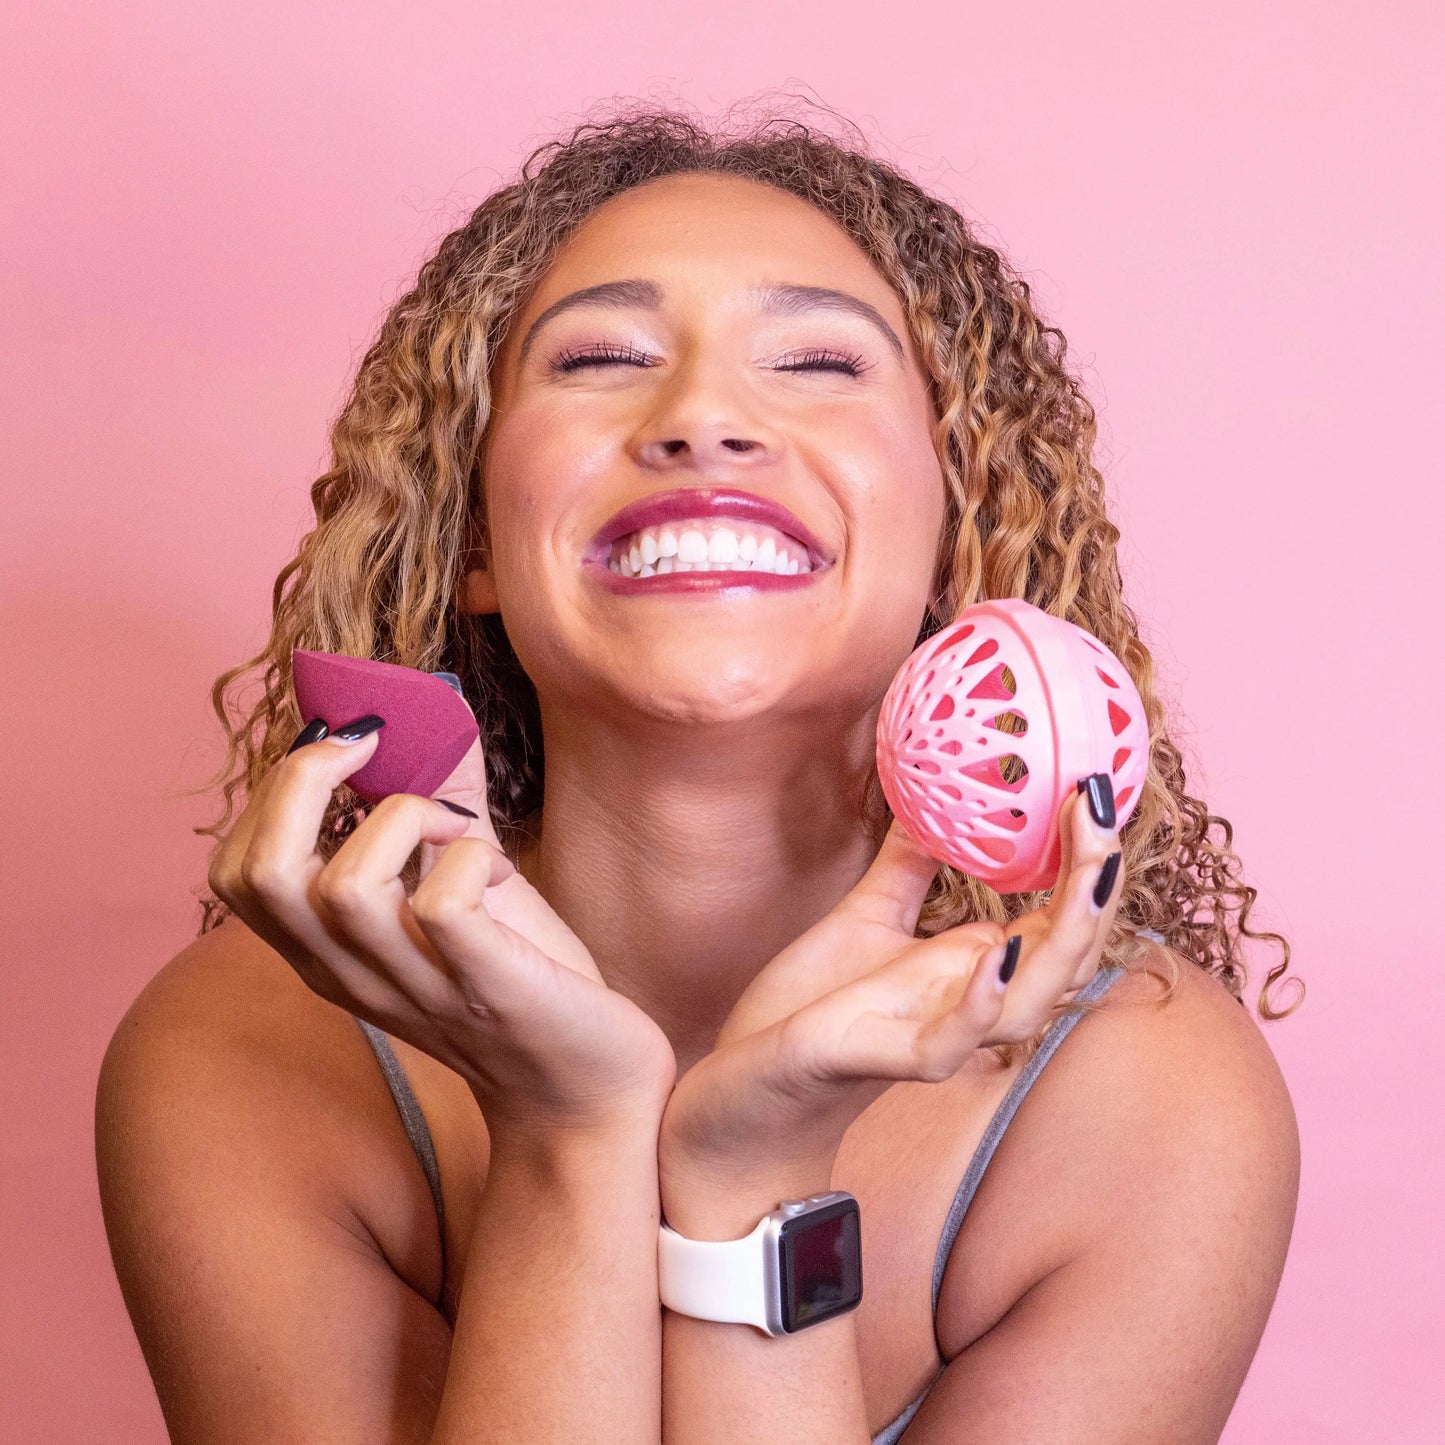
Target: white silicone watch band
(729, 1280)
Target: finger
(893, 889)
(224, 875)
(1089, 839)
(874, 1022)
(467, 784)
(229, 868)
(945, 1041)
(497, 968)
(1070, 819)
(515, 903)
(362, 921)
(1068, 814)
(917, 1018)
(1066, 955)
(468, 866)
(368, 866)
(1096, 841)
(280, 863)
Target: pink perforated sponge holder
(942, 751)
(429, 725)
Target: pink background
(1230, 212)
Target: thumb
(896, 883)
(467, 785)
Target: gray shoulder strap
(412, 1119)
(1056, 1033)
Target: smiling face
(755, 347)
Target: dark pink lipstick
(699, 581)
(685, 503)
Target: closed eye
(839, 361)
(844, 363)
(600, 356)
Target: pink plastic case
(942, 754)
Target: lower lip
(700, 581)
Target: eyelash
(843, 362)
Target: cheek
(922, 492)
(897, 498)
(545, 479)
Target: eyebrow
(779, 300)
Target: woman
(700, 974)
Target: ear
(477, 592)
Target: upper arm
(1178, 1187)
(262, 1306)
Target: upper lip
(682, 503)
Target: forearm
(559, 1334)
(730, 1384)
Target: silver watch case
(777, 1285)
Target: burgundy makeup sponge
(429, 727)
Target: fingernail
(313, 732)
(453, 682)
(455, 807)
(1105, 886)
(363, 727)
(1010, 960)
(1100, 789)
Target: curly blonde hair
(399, 514)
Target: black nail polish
(313, 732)
(362, 727)
(1010, 958)
(1100, 788)
(455, 807)
(1105, 886)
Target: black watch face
(821, 1265)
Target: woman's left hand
(857, 1003)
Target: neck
(688, 859)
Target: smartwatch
(802, 1264)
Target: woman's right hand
(475, 968)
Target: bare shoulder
(1185, 1087)
(1192, 1068)
(1160, 1137)
(261, 1209)
(225, 983)
(225, 1016)
(244, 1058)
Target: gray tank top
(416, 1130)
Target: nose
(665, 449)
(698, 425)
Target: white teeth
(707, 546)
(691, 547)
